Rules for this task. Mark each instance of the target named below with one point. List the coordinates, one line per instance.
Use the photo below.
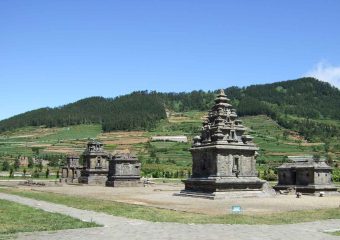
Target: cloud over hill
(326, 72)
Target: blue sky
(56, 52)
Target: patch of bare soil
(121, 134)
(39, 145)
(174, 119)
(285, 154)
(305, 144)
(65, 150)
(126, 141)
(123, 138)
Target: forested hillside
(305, 97)
(139, 110)
(304, 105)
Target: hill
(305, 105)
(139, 110)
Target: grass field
(16, 218)
(164, 215)
(337, 233)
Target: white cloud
(326, 72)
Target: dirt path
(123, 228)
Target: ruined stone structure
(96, 164)
(305, 175)
(223, 157)
(124, 171)
(23, 161)
(71, 171)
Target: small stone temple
(223, 158)
(71, 171)
(96, 164)
(124, 171)
(306, 175)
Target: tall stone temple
(96, 164)
(223, 157)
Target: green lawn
(164, 215)
(16, 218)
(74, 132)
(337, 233)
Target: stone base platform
(224, 187)
(69, 180)
(95, 179)
(224, 195)
(309, 189)
(124, 182)
(223, 184)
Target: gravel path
(123, 228)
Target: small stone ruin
(71, 171)
(307, 175)
(124, 171)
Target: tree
(47, 172)
(16, 164)
(329, 159)
(30, 162)
(285, 134)
(5, 166)
(40, 166)
(35, 174)
(36, 150)
(24, 171)
(326, 146)
(316, 156)
(11, 172)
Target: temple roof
(305, 162)
(94, 142)
(222, 125)
(124, 157)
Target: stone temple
(306, 175)
(124, 171)
(96, 164)
(224, 159)
(72, 170)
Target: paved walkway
(123, 228)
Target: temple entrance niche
(236, 164)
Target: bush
(270, 175)
(35, 174)
(5, 166)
